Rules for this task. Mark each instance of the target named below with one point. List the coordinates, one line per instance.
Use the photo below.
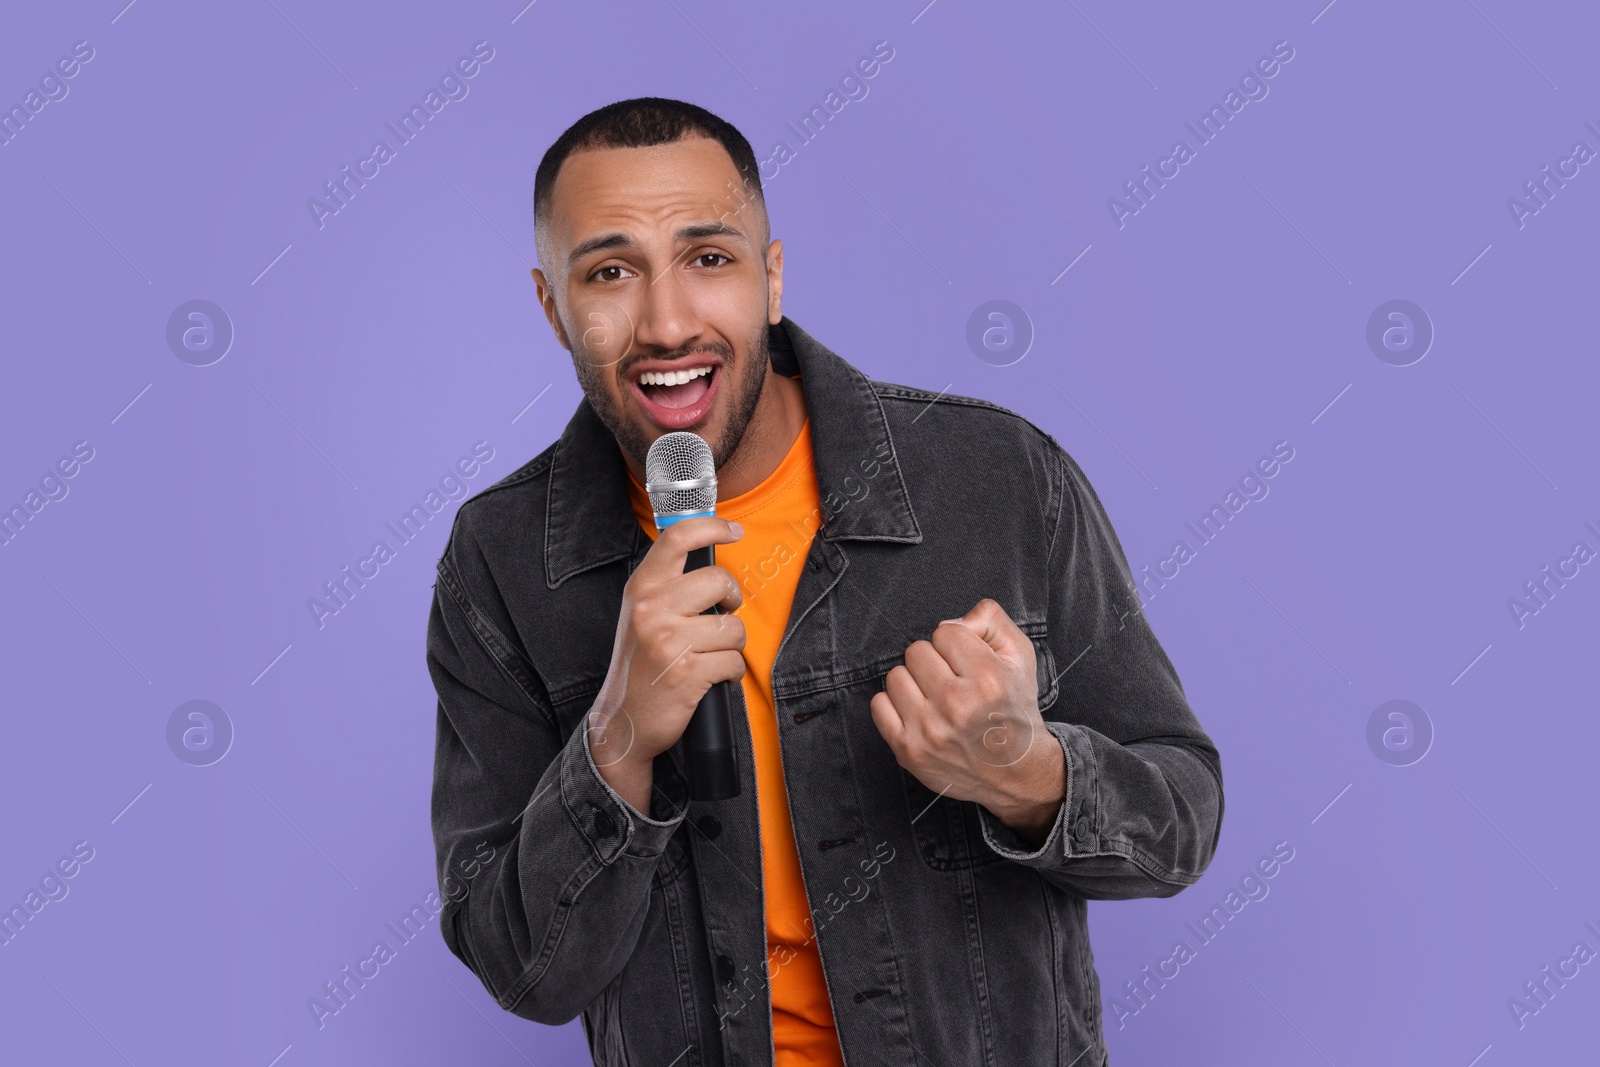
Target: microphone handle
(708, 740)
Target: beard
(634, 437)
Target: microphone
(681, 479)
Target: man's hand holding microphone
(667, 655)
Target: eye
(704, 259)
(611, 273)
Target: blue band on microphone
(663, 521)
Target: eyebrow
(710, 229)
(599, 244)
(693, 232)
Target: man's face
(655, 277)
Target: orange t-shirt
(779, 517)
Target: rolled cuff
(1073, 833)
(609, 823)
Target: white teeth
(671, 377)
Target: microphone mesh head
(680, 456)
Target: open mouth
(676, 399)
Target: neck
(779, 414)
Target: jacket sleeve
(544, 869)
(1143, 805)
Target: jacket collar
(589, 522)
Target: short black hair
(640, 123)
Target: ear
(547, 303)
(774, 283)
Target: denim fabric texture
(944, 939)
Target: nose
(667, 318)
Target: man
(952, 721)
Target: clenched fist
(962, 715)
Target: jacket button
(725, 969)
(604, 825)
(710, 826)
(812, 563)
(1083, 828)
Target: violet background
(1229, 314)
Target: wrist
(631, 777)
(1031, 799)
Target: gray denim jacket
(944, 939)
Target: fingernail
(738, 531)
